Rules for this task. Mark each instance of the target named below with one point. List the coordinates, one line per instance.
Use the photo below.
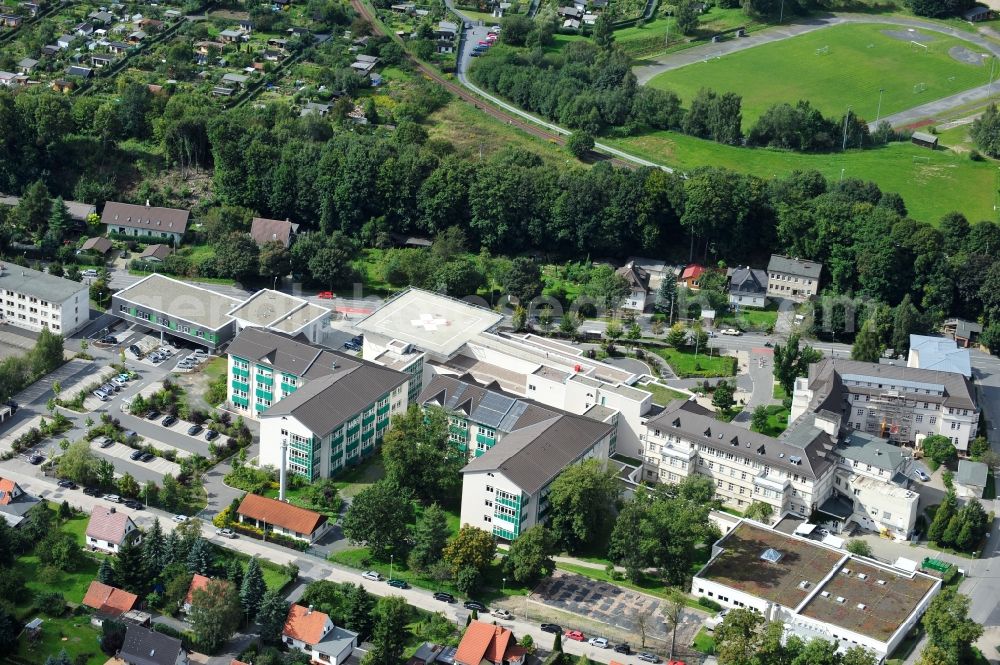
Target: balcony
(242, 401)
(266, 380)
(458, 429)
(487, 441)
(510, 503)
(263, 394)
(241, 372)
(288, 389)
(239, 385)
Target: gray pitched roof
(338, 386)
(270, 230)
(38, 284)
(147, 647)
(971, 473)
(748, 281)
(868, 449)
(779, 263)
(531, 457)
(853, 376)
(940, 353)
(803, 449)
(168, 220)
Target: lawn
(777, 420)
(360, 477)
(73, 633)
(834, 68)
(275, 577)
(216, 368)
(661, 394)
(932, 183)
(704, 642)
(779, 391)
(299, 496)
(687, 365)
(750, 319)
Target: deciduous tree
(582, 502)
(379, 518)
(215, 614)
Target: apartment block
(328, 409)
(901, 404)
(33, 300)
(792, 279)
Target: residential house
(314, 108)
(232, 35)
(489, 644)
(155, 253)
(117, 47)
(11, 20)
(79, 71)
(640, 293)
(571, 23)
(198, 583)
(109, 601)
(30, 7)
(150, 25)
(301, 33)
(64, 41)
(264, 230)
(445, 34)
(101, 17)
(7, 79)
(50, 50)
(271, 515)
(278, 43)
(145, 221)
(83, 29)
(101, 61)
(15, 503)
(792, 279)
(363, 64)
(148, 647)
(108, 529)
(136, 37)
(246, 25)
(938, 353)
(62, 85)
(313, 633)
(99, 246)
(34, 300)
(971, 479)
(570, 13)
(235, 80)
(902, 404)
(748, 288)
(691, 276)
(221, 91)
(965, 333)
(26, 65)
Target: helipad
(430, 321)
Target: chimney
(147, 203)
(281, 475)
(112, 510)
(309, 611)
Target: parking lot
(615, 606)
(122, 452)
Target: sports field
(836, 67)
(931, 182)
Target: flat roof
(886, 605)
(741, 567)
(431, 321)
(278, 311)
(38, 284)
(180, 300)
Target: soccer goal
(918, 88)
(916, 44)
(823, 50)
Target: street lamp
(878, 112)
(503, 586)
(391, 556)
(847, 117)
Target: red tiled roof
(692, 272)
(107, 524)
(280, 514)
(7, 489)
(197, 582)
(108, 599)
(483, 641)
(305, 625)
(237, 662)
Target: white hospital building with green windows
(330, 410)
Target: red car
(676, 662)
(482, 43)
(574, 635)
(326, 295)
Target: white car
(225, 533)
(113, 498)
(371, 575)
(502, 614)
(180, 519)
(732, 332)
(712, 622)
(921, 475)
(599, 642)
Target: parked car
(194, 430)
(398, 584)
(152, 414)
(67, 484)
(89, 272)
(676, 662)
(100, 395)
(92, 491)
(169, 421)
(110, 339)
(623, 648)
(135, 351)
(553, 628)
(110, 388)
(180, 519)
(921, 475)
(371, 575)
(713, 621)
(326, 295)
(648, 657)
(106, 442)
(124, 377)
(474, 605)
(134, 505)
(136, 455)
(147, 457)
(156, 359)
(225, 533)
(599, 642)
(200, 353)
(575, 635)
(113, 498)
(732, 332)
(121, 383)
(502, 614)
(36, 459)
(211, 435)
(444, 596)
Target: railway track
(467, 96)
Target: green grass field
(833, 68)
(931, 182)
(687, 365)
(661, 394)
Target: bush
(51, 603)
(250, 479)
(709, 603)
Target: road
(646, 72)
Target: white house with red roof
(314, 633)
(108, 529)
(15, 504)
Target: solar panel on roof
(492, 409)
(509, 420)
